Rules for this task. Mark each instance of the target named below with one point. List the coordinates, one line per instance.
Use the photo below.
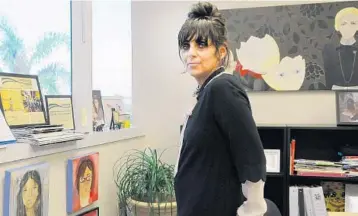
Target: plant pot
(138, 208)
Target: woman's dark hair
(85, 162)
(204, 23)
(21, 210)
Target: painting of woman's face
(348, 25)
(83, 181)
(30, 193)
(85, 184)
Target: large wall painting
(295, 47)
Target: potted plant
(145, 184)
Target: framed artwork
(347, 107)
(82, 181)
(26, 191)
(273, 160)
(295, 47)
(21, 100)
(60, 110)
(92, 212)
(97, 111)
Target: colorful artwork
(334, 196)
(295, 47)
(21, 100)
(26, 191)
(82, 181)
(92, 212)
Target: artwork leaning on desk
(82, 181)
(26, 191)
(295, 47)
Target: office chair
(272, 209)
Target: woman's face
(85, 183)
(96, 103)
(30, 192)
(201, 58)
(348, 26)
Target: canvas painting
(82, 181)
(26, 191)
(92, 212)
(295, 47)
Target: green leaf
(49, 75)
(11, 45)
(49, 42)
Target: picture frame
(273, 157)
(60, 105)
(91, 212)
(82, 181)
(98, 117)
(347, 107)
(25, 106)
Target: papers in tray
(28, 136)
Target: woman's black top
(340, 65)
(221, 149)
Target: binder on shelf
(307, 201)
(6, 136)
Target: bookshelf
(312, 142)
(319, 142)
(275, 137)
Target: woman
(220, 146)
(29, 197)
(85, 181)
(340, 60)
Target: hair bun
(204, 10)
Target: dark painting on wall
(295, 47)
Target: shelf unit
(313, 142)
(318, 142)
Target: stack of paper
(6, 135)
(26, 136)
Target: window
(112, 51)
(35, 38)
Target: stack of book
(303, 167)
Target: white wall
(161, 96)
(166, 94)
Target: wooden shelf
(323, 178)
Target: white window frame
(81, 96)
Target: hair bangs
(200, 30)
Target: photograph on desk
(26, 191)
(347, 107)
(82, 181)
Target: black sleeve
(233, 115)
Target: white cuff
(255, 204)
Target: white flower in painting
(288, 75)
(259, 54)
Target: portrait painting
(295, 47)
(92, 212)
(98, 118)
(26, 191)
(347, 107)
(82, 181)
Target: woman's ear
(223, 51)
